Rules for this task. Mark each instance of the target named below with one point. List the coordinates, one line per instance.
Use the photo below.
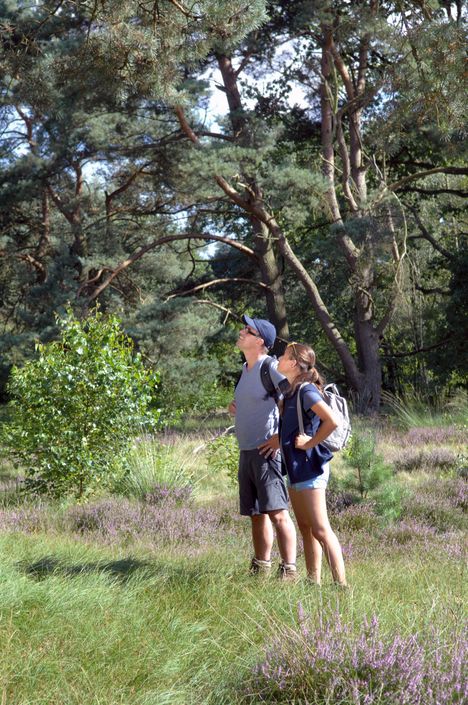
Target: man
(262, 491)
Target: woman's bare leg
(312, 548)
(310, 508)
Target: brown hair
(305, 359)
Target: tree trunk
(271, 276)
(263, 245)
(367, 395)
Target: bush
(223, 456)
(370, 469)
(441, 504)
(409, 459)
(389, 499)
(358, 517)
(76, 408)
(153, 464)
(329, 663)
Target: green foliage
(414, 410)
(223, 457)
(151, 463)
(389, 499)
(76, 407)
(369, 469)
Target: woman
(307, 462)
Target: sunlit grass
(415, 411)
(104, 604)
(82, 623)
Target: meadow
(142, 596)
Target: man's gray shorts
(261, 485)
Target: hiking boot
(287, 572)
(258, 567)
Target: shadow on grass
(121, 570)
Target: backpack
(338, 439)
(339, 407)
(271, 390)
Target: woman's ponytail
(305, 359)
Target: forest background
(182, 163)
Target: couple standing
(259, 431)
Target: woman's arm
(328, 425)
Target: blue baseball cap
(265, 329)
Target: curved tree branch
(157, 243)
(462, 170)
(215, 282)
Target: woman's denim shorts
(316, 483)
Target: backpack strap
(300, 417)
(265, 376)
(332, 388)
(301, 412)
(267, 382)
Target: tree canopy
(330, 187)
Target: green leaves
(76, 408)
(369, 468)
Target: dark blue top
(302, 465)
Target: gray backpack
(339, 407)
(342, 433)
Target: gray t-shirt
(256, 412)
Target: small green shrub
(76, 408)
(223, 456)
(369, 468)
(389, 499)
(152, 463)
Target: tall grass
(413, 410)
(154, 462)
(127, 602)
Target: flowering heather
(437, 435)
(164, 494)
(25, 519)
(410, 459)
(439, 503)
(358, 517)
(162, 524)
(409, 531)
(328, 664)
(338, 501)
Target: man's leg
(262, 536)
(285, 533)
(273, 500)
(262, 531)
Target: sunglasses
(251, 332)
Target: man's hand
(270, 447)
(232, 408)
(302, 440)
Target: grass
(151, 605)
(88, 624)
(414, 410)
